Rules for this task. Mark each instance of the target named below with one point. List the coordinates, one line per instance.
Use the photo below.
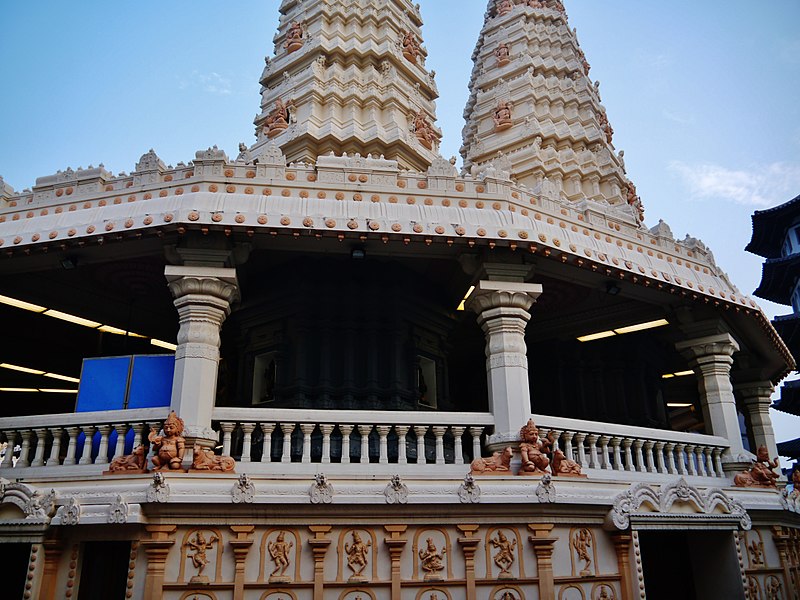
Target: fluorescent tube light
(596, 336)
(684, 373)
(62, 377)
(57, 314)
(110, 329)
(21, 369)
(10, 389)
(22, 304)
(642, 326)
(58, 391)
(463, 305)
(679, 404)
(668, 376)
(166, 345)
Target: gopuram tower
(534, 113)
(349, 77)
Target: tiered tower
(534, 112)
(349, 77)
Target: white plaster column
(756, 396)
(203, 297)
(502, 309)
(711, 357)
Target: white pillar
(756, 397)
(502, 308)
(203, 297)
(711, 357)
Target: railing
(351, 436)
(624, 449)
(75, 438)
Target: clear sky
(704, 96)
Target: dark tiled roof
(790, 449)
(777, 279)
(788, 327)
(769, 228)
(789, 402)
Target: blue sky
(704, 96)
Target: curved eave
(778, 276)
(769, 228)
(788, 327)
(790, 448)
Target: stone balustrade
(615, 451)
(348, 436)
(63, 440)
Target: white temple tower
(349, 77)
(533, 110)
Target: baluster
(555, 435)
(626, 445)
(287, 429)
(709, 461)
(364, 430)
(591, 439)
(421, 430)
(72, 445)
(38, 457)
(23, 461)
(266, 446)
(346, 431)
(603, 441)
(102, 449)
(637, 445)
(383, 443)
(138, 429)
(326, 430)
(669, 449)
(55, 449)
(718, 462)
(681, 458)
(439, 432)
(307, 429)
(690, 459)
(86, 455)
(648, 456)
(11, 439)
(402, 450)
(660, 466)
(615, 445)
(701, 467)
(579, 439)
(476, 432)
(568, 435)
(458, 444)
(122, 430)
(227, 431)
(247, 441)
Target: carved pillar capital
(396, 544)
(469, 545)
(157, 548)
(713, 348)
(319, 547)
(543, 547)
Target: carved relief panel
(201, 556)
(281, 551)
(583, 552)
(357, 549)
(434, 594)
(432, 555)
(504, 554)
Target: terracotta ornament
(168, 449)
(505, 555)
(199, 545)
(605, 126)
(535, 4)
(424, 131)
(563, 466)
(431, 560)
(761, 474)
(134, 463)
(411, 47)
(278, 120)
(279, 553)
(533, 450)
(206, 460)
(498, 462)
(502, 116)
(503, 7)
(502, 54)
(294, 38)
(357, 556)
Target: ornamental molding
(396, 492)
(37, 505)
(469, 492)
(244, 490)
(118, 511)
(70, 513)
(644, 502)
(321, 492)
(158, 490)
(204, 286)
(546, 490)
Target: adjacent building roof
(789, 402)
(769, 228)
(790, 449)
(778, 278)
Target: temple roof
(790, 448)
(778, 277)
(769, 228)
(788, 326)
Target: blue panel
(103, 384)
(151, 381)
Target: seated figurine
(168, 449)
(499, 461)
(563, 466)
(761, 474)
(206, 460)
(137, 461)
